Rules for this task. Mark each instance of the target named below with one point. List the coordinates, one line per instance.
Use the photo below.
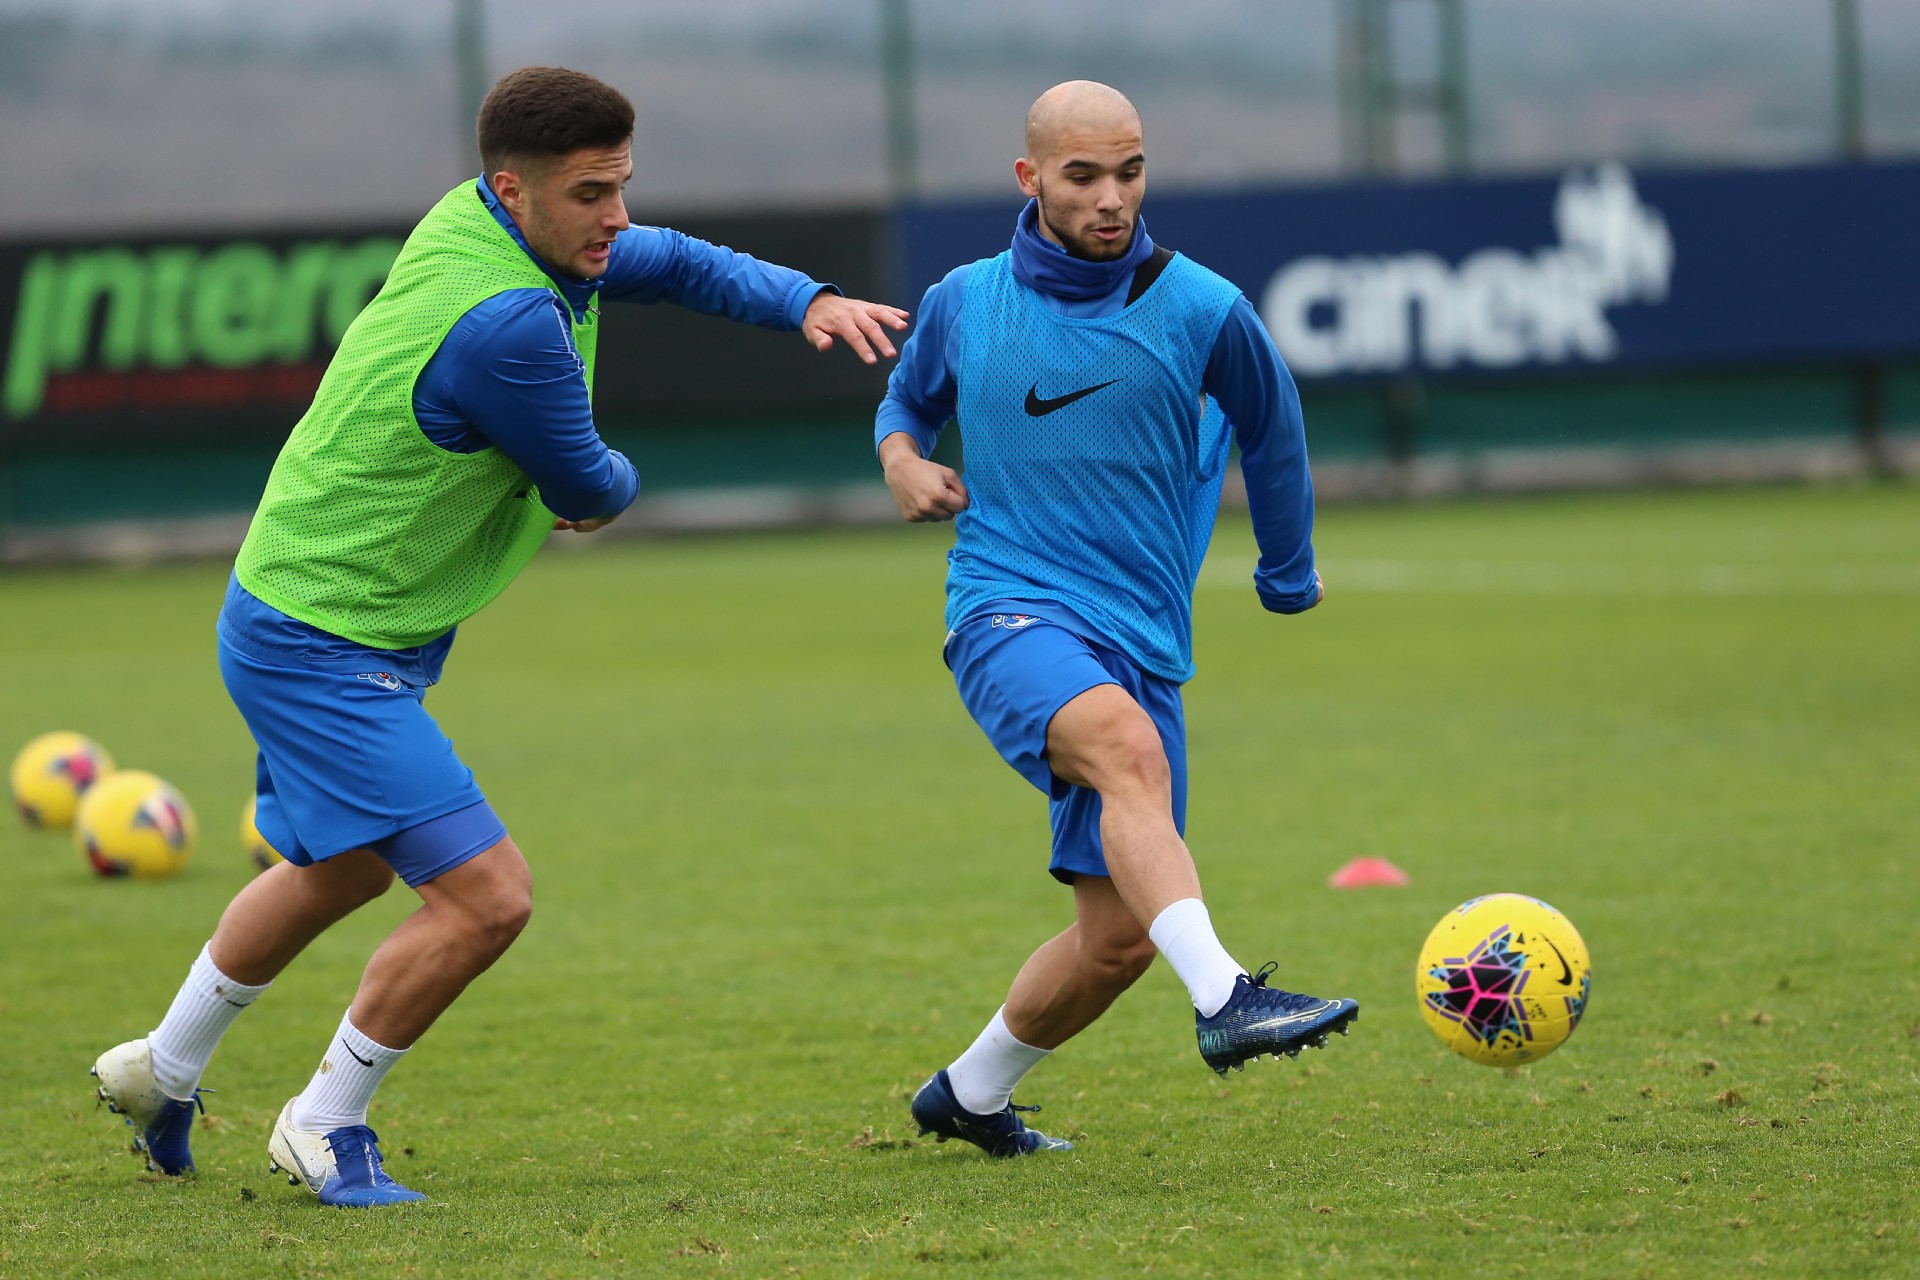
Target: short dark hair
(537, 113)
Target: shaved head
(1085, 167)
(1075, 108)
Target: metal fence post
(896, 70)
(470, 74)
(1849, 95)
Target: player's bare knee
(354, 879)
(1118, 970)
(1135, 763)
(1117, 964)
(1139, 959)
(502, 915)
(519, 913)
(495, 893)
(374, 882)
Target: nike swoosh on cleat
(1038, 408)
(1305, 1015)
(299, 1165)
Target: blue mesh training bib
(1093, 462)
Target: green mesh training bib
(368, 529)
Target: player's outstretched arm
(923, 489)
(861, 325)
(657, 264)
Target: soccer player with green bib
(451, 434)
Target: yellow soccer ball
(1503, 979)
(133, 824)
(259, 852)
(50, 775)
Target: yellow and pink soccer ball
(134, 824)
(1504, 979)
(50, 775)
(261, 854)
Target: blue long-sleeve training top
(507, 374)
(1244, 375)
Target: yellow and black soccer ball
(50, 775)
(1503, 980)
(261, 854)
(134, 824)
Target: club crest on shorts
(1014, 621)
(384, 679)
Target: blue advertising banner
(1597, 267)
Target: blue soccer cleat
(1260, 1019)
(1003, 1133)
(342, 1166)
(161, 1124)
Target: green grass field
(780, 877)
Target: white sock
(983, 1078)
(1184, 934)
(183, 1043)
(340, 1090)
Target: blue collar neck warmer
(1041, 264)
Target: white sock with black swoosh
(340, 1090)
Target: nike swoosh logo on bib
(1038, 408)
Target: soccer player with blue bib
(452, 432)
(1096, 379)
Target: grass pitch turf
(780, 877)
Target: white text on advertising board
(1497, 308)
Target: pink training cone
(1363, 873)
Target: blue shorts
(352, 760)
(1015, 671)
